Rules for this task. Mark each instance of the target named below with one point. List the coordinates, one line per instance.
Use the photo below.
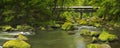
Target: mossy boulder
(105, 36)
(88, 32)
(7, 28)
(16, 44)
(94, 33)
(24, 28)
(85, 32)
(67, 25)
(94, 39)
(98, 46)
(83, 21)
(22, 37)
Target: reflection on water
(56, 39)
(60, 39)
(79, 42)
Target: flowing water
(58, 39)
(61, 39)
(51, 39)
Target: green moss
(98, 46)
(16, 44)
(82, 22)
(67, 25)
(24, 27)
(6, 28)
(22, 37)
(94, 33)
(92, 46)
(85, 32)
(97, 24)
(94, 39)
(105, 36)
(88, 32)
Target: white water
(6, 35)
(16, 33)
(87, 27)
(80, 43)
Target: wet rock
(98, 46)
(105, 36)
(89, 33)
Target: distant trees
(37, 12)
(108, 8)
(25, 11)
(33, 12)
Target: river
(55, 39)
(61, 39)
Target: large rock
(98, 46)
(105, 36)
(16, 44)
(89, 33)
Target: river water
(61, 39)
(55, 39)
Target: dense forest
(40, 13)
(57, 24)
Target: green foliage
(105, 36)
(70, 16)
(16, 44)
(107, 7)
(26, 11)
(82, 22)
(69, 2)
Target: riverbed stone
(16, 44)
(98, 46)
(89, 33)
(105, 36)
